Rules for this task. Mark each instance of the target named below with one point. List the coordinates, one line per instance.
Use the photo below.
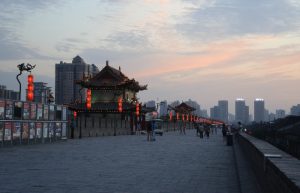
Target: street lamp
(22, 67)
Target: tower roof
(110, 77)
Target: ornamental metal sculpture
(22, 67)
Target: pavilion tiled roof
(110, 77)
(183, 108)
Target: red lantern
(88, 99)
(183, 117)
(30, 79)
(137, 109)
(187, 117)
(177, 116)
(120, 105)
(30, 88)
(75, 114)
(171, 116)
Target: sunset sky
(202, 50)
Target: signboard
(9, 109)
(33, 111)
(39, 112)
(25, 131)
(38, 130)
(2, 105)
(7, 131)
(26, 111)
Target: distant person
(224, 131)
(149, 130)
(206, 130)
(138, 128)
(201, 130)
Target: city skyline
(200, 50)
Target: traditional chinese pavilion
(110, 106)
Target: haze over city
(202, 50)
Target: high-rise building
(280, 113)
(241, 111)
(223, 110)
(66, 75)
(8, 94)
(203, 113)
(259, 110)
(163, 108)
(295, 110)
(215, 112)
(195, 105)
(151, 104)
(42, 93)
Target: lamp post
(22, 68)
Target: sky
(204, 50)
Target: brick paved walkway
(173, 163)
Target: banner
(46, 112)
(9, 109)
(7, 131)
(25, 131)
(32, 111)
(2, 105)
(58, 129)
(38, 130)
(64, 114)
(64, 130)
(39, 112)
(26, 111)
(51, 112)
(45, 130)
(1, 131)
(16, 130)
(32, 131)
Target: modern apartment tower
(259, 110)
(66, 75)
(241, 111)
(223, 110)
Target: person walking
(206, 130)
(224, 131)
(201, 130)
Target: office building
(66, 75)
(295, 110)
(241, 111)
(42, 93)
(8, 94)
(223, 110)
(280, 113)
(259, 110)
(163, 108)
(215, 113)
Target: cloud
(237, 18)
(12, 16)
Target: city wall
(276, 171)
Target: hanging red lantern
(89, 99)
(187, 117)
(75, 114)
(177, 116)
(170, 115)
(120, 105)
(183, 117)
(137, 109)
(30, 88)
